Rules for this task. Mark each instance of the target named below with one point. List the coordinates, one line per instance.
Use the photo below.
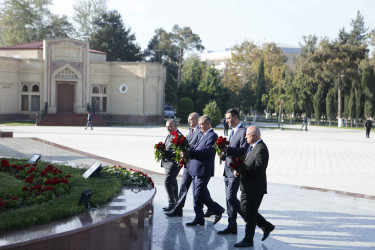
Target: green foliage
(184, 107)
(368, 86)
(113, 38)
(331, 105)
(86, 16)
(213, 111)
(318, 103)
(261, 88)
(23, 21)
(104, 188)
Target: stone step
(70, 120)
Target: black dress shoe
(208, 214)
(244, 243)
(218, 216)
(174, 213)
(195, 222)
(228, 231)
(267, 231)
(169, 208)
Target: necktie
(231, 135)
(250, 148)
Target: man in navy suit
(237, 147)
(253, 184)
(171, 167)
(192, 138)
(201, 168)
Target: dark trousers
(233, 204)
(250, 203)
(368, 132)
(170, 182)
(184, 188)
(202, 196)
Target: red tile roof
(38, 45)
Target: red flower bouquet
(220, 146)
(238, 163)
(180, 146)
(159, 151)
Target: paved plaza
(340, 160)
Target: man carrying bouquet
(237, 147)
(171, 167)
(201, 168)
(254, 186)
(194, 134)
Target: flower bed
(40, 193)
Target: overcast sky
(224, 23)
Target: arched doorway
(65, 97)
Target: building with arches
(65, 76)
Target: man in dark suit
(368, 125)
(201, 168)
(192, 138)
(237, 147)
(253, 187)
(171, 167)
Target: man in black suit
(253, 187)
(368, 125)
(171, 167)
(237, 147)
(202, 168)
(194, 134)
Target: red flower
(175, 133)
(31, 170)
(25, 189)
(67, 176)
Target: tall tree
(331, 105)
(86, 15)
(23, 21)
(261, 88)
(113, 38)
(368, 86)
(59, 27)
(185, 40)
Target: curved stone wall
(124, 223)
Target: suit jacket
(253, 177)
(202, 156)
(168, 159)
(193, 138)
(238, 146)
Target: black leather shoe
(228, 231)
(174, 213)
(218, 216)
(267, 231)
(208, 214)
(244, 243)
(169, 208)
(195, 222)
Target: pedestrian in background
(368, 125)
(89, 120)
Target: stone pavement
(324, 158)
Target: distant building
(66, 76)
(218, 58)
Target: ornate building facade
(66, 76)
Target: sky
(222, 24)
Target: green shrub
(184, 107)
(213, 111)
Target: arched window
(35, 88)
(95, 90)
(25, 88)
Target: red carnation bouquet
(238, 163)
(180, 146)
(220, 146)
(159, 151)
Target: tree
(59, 27)
(185, 40)
(331, 105)
(261, 88)
(352, 107)
(184, 107)
(86, 15)
(246, 98)
(358, 34)
(113, 38)
(368, 86)
(23, 21)
(213, 111)
(318, 103)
